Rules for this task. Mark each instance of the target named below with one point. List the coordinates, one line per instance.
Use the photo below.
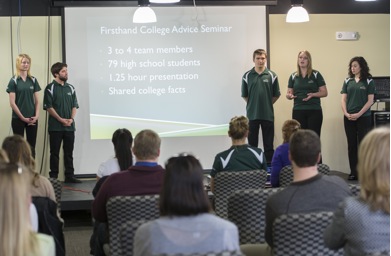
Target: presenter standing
(23, 91)
(306, 86)
(61, 103)
(357, 98)
(260, 90)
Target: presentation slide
(180, 76)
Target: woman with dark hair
(186, 225)
(280, 157)
(357, 98)
(122, 140)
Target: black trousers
(19, 127)
(267, 136)
(309, 119)
(355, 132)
(68, 140)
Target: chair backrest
(123, 209)
(286, 176)
(246, 208)
(355, 189)
(324, 169)
(49, 223)
(223, 253)
(227, 182)
(286, 173)
(128, 230)
(302, 234)
(57, 186)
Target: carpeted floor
(77, 232)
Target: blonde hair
(309, 67)
(19, 152)
(288, 128)
(3, 156)
(238, 127)
(19, 60)
(374, 169)
(146, 145)
(17, 238)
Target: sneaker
(71, 180)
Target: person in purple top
(280, 157)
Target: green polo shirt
(62, 98)
(24, 95)
(302, 86)
(260, 90)
(239, 158)
(357, 94)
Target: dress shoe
(352, 177)
(72, 180)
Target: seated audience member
(32, 208)
(145, 177)
(17, 237)
(19, 152)
(309, 191)
(240, 156)
(280, 157)
(362, 225)
(186, 225)
(122, 140)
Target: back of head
(288, 128)
(238, 127)
(183, 192)
(146, 145)
(122, 140)
(18, 151)
(304, 148)
(374, 169)
(15, 229)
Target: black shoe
(72, 180)
(352, 177)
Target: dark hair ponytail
(122, 140)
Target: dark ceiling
(54, 7)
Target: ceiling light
(297, 13)
(144, 14)
(164, 1)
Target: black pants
(19, 127)
(309, 119)
(267, 136)
(68, 140)
(355, 132)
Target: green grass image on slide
(102, 127)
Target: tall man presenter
(260, 90)
(60, 102)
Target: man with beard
(61, 103)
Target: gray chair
(355, 189)
(223, 253)
(123, 209)
(57, 186)
(302, 234)
(226, 183)
(246, 208)
(286, 173)
(128, 230)
(286, 176)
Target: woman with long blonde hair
(17, 237)
(362, 225)
(23, 91)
